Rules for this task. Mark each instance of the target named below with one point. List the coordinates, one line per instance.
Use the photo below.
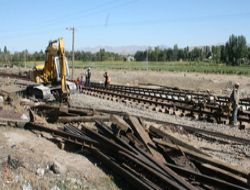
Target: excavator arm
(61, 53)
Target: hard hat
(237, 84)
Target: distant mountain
(124, 50)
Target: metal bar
(195, 157)
(206, 179)
(133, 180)
(144, 137)
(69, 119)
(164, 179)
(80, 140)
(173, 139)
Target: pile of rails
(145, 156)
(201, 106)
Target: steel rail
(209, 110)
(188, 128)
(108, 147)
(169, 91)
(206, 179)
(134, 168)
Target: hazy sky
(30, 24)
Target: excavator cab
(58, 69)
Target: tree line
(234, 52)
(7, 57)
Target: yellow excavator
(52, 77)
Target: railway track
(165, 92)
(170, 93)
(199, 105)
(157, 101)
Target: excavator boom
(63, 66)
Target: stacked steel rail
(142, 157)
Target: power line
(170, 20)
(84, 12)
(88, 12)
(80, 14)
(55, 23)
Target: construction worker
(81, 80)
(78, 83)
(234, 100)
(87, 77)
(107, 80)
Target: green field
(202, 67)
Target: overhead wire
(59, 24)
(169, 20)
(107, 23)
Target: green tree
(6, 55)
(236, 49)
(223, 54)
(175, 52)
(207, 52)
(196, 54)
(156, 53)
(5, 50)
(248, 55)
(140, 56)
(169, 53)
(180, 55)
(241, 49)
(162, 55)
(186, 53)
(101, 55)
(216, 53)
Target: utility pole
(25, 58)
(73, 47)
(147, 59)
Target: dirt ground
(35, 156)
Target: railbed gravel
(235, 154)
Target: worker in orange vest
(107, 80)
